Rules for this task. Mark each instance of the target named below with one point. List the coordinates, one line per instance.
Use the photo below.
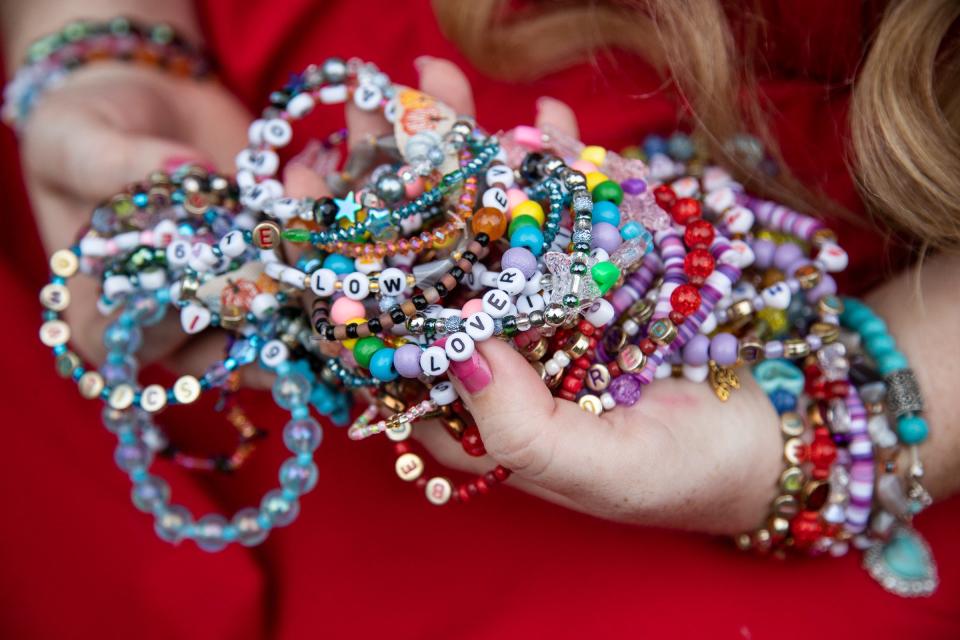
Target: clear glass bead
(208, 532)
(291, 390)
(132, 456)
(171, 523)
(303, 435)
(297, 477)
(249, 531)
(122, 339)
(151, 495)
(279, 509)
(115, 420)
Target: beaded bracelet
(52, 58)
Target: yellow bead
(594, 178)
(594, 154)
(351, 342)
(775, 319)
(530, 208)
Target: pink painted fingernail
(474, 373)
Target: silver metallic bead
(574, 180)
(390, 187)
(581, 202)
(523, 322)
(334, 70)
(536, 318)
(416, 323)
(551, 164)
(555, 314)
(903, 393)
(462, 128)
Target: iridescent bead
(122, 339)
(151, 495)
(302, 436)
(132, 456)
(249, 530)
(172, 522)
(298, 478)
(279, 509)
(115, 420)
(208, 532)
(291, 390)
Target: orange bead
(490, 221)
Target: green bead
(522, 221)
(365, 348)
(608, 190)
(912, 429)
(296, 235)
(605, 274)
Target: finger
(445, 81)
(553, 113)
(90, 159)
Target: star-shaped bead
(347, 208)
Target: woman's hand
(108, 125)
(678, 458)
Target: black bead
(482, 239)
(397, 315)
(325, 211)
(321, 325)
(329, 332)
(419, 302)
(441, 290)
(352, 329)
(457, 273)
(279, 99)
(530, 167)
(582, 247)
(470, 257)
(375, 326)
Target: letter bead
(443, 393)
(497, 303)
(434, 361)
(459, 347)
(323, 282)
(356, 286)
(479, 326)
(511, 280)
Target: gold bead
(771, 277)
(576, 345)
(786, 506)
(186, 389)
(455, 425)
(739, 310)
(55, 297)
(827, 332)
(640, 311)
(808, 276)
(393, 403)
(822, 237)
(791, 424)
(121, 397)
(793, 450)
(751, 350)
(91, 385)
(591, 403)
(266, 235)
(536, 350)
(409, 467)
(791, 480)
(830, 305)
(398, 432)
(662, 331)
(54, 333)
(189, 287)
(794, 348)
(597, 378)
(631, 358)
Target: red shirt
(368, 557)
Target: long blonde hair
(905, 110)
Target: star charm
(347, 208)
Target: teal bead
(338, 264)
(912, 429)
(631, 230)
(854, 316)
(890, 362)
(606, 211)
(879, 345)
(528, 236)
(872, 327)
(904, 555)
(381, 365)
(776, 374)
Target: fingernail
(544, 101)
(173, 163)
(421, 61)
(474, 373)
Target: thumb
(513, 409)
(90, 159)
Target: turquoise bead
(338, 264)
(872, 327)
(631, 230)
(904, 555)
(912, 429)
(381, 365)
(606, 211)
(778, 373)
(890, 362)
(879, 345)
(530, 237)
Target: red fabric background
(368, 556)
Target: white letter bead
(600, 313)
(528, 304)
(776, 296)
(459, 347)
(263, 304)
(600, 255)
(273, 354)
(164, 233)
(500, 174)
(488, 278)
(232, 244)
(443, 393)
(333, 94)
(479, 326)
(255, 132)
(294, 278)
(356, 286)
(495, 197)
(833, 258)
(93, 247)
(194, 318)
(392, 282)
(687, 187)
(277, 133)
(367, 96)
(511, 280)
(434, 361)
(740, 254)
(300, 105)
(178, 253)
(116, 286)
(496, 303)
(153, 279)
(285, 208)
(274, 269)
(738, 220)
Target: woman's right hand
(109, 125)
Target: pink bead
(584, 167)
(344, 309)
(471, 307)
(111, 247)
(146, 237)
(529, 137)
(413, 188)
(515, 197)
